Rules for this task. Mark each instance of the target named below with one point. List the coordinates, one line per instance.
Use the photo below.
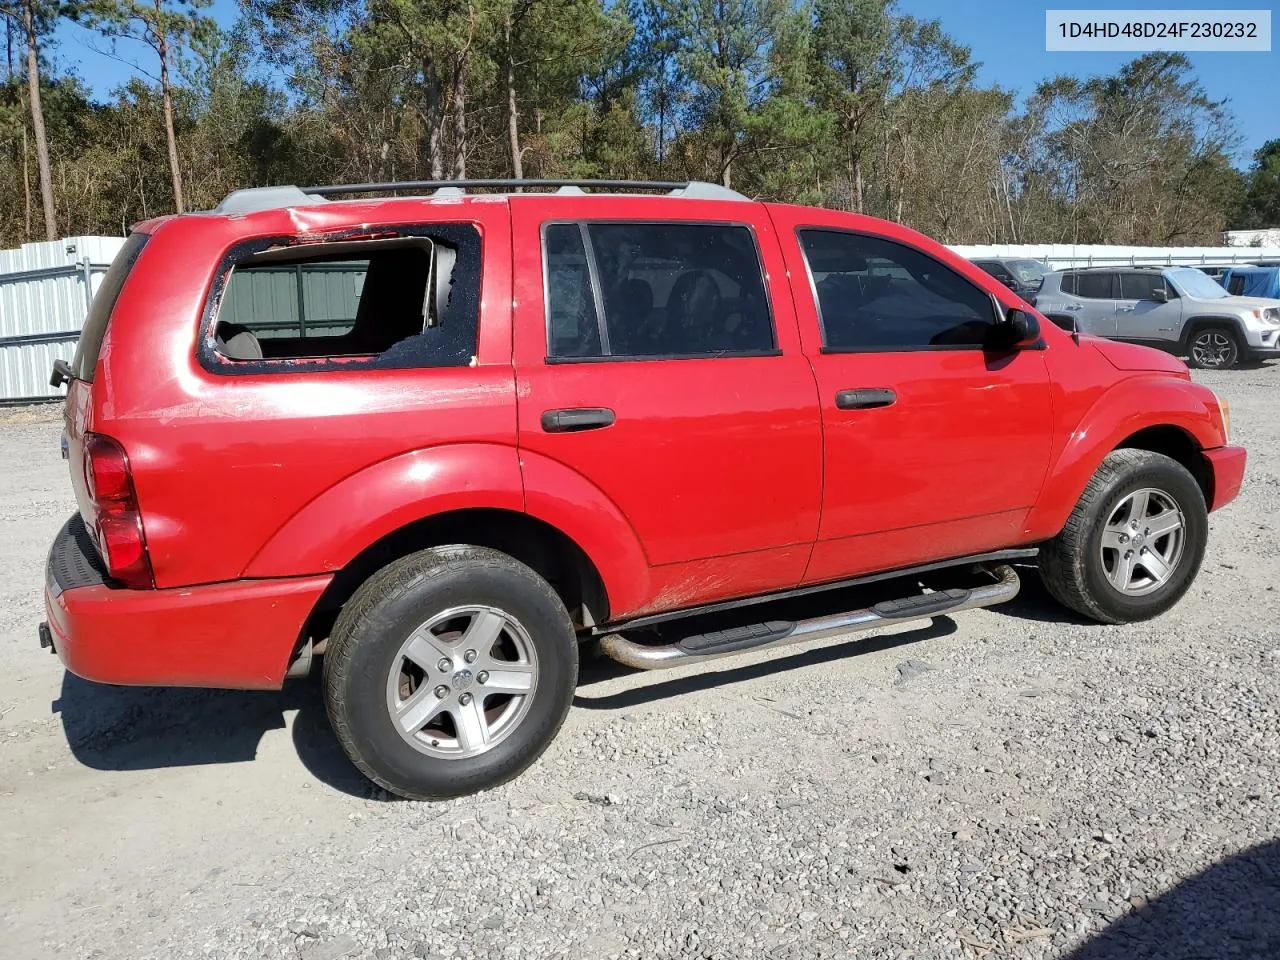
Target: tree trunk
(37, 121)
(26, 188)
(166, 95)
(513, 115)
(435, 124)
(460, 125)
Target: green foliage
(846, 103)
(1261, 203)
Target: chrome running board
(782, 633)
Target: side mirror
(1018, 329)
(1159, 296)
(1011, 283)
(61, 373)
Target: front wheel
(1213, 348)
(449, 671)
(1134, 542)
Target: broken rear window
(410, 299)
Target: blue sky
(1006, 36)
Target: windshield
(1195, 283)
(1028, 271)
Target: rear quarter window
(104, 301)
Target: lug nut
(441, 692)
(1128, 554)
(1124, 538)
(482, 676)
(465, 699)
(469, 656)
(445, 665)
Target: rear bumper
(239, 634)
(1227, 466)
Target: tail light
(117, 521)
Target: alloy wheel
(1142, 542)
(462, 682)
(1213, 348)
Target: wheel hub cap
(1142, 542)
(462, 682)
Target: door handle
(577, 419)
(1126, 309)
(865, 398)
(1073, 306)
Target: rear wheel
(449, 671)
(1213, 348)
(1134, 542)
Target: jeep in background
(1020, 275)
(1178, 309)
(441, 439)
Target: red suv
(443, 438)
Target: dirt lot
(1011, 783)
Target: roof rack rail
(698, 187)
(270, 198)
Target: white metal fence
(1059, 256)
(45, 290)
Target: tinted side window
(573, 329)
(875, 294)
(1140, 286)
(1069, 283)
(998, 271)
(1235, 286)
(1095, 286)
(665, 290)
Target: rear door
(1142, 317)
(1094, 293)
(936, 447)
(653, 360)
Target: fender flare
(336, 526)
(566, 500)
(1130, 406)
(1201, 320)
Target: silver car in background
(1178, 309)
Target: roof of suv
(1126, 267)
(253, 199)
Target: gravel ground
(1013, 783)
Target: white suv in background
(1179, 309)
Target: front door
(935, 447)
(653, 361)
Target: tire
(415, 614)
(1082, 566)
(1214, 347)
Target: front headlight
(1269, 316)
(1224, 409)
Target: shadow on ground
(146, 728)
(1230, 911)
